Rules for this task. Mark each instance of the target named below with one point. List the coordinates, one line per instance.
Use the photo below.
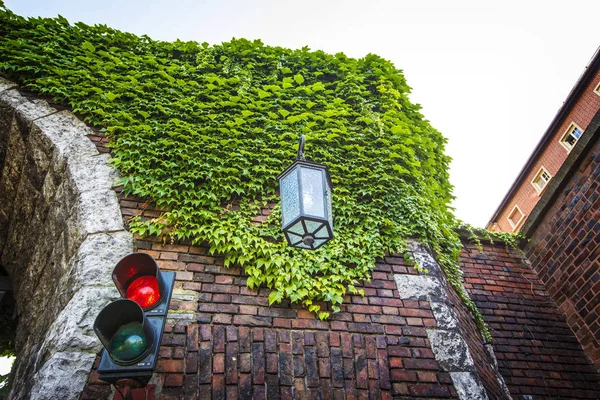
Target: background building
(567, 127)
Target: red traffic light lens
(144, 291)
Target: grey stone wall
(61, 232)
(448, 341)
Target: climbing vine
(203, 131)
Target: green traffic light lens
(128, 345)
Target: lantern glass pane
(293, 238)
(290, 197)
(312, 192)
(322, 233)
(312, 226)
(297, 228)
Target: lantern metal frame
(322, 233)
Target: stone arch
(61, 231)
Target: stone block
(6, 84)
(93, 268)
(450, 350)
(423, 258)
(444, 315)
(468, 386)
(62, 376)
(419, 287)
(92, 172)
(72, 330)
(98, 211)
(32, 110)
(67, 133)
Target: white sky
(489, 75)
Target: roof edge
(571, 99)
(563, 176)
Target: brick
(270, 340)
(173, 380)
(250, 310)
(191, 363)
(309, 324)
(219, 339)
(218, 387)
(252, 320)
(192, 337)
(224, 279)
(420, 364)
(231, 363)
(384, 374)
(258, 369)
(347, 345)
(224, 319)
(285, 365)
(324, 367)
(170, 365)
(312, 373)
(337, 373)
(215, 288)
(429, 390)
(273, 391)
(244, 339)
(398, 375)
(427, 376)
(360, 365)
(282, 323)
(271, 363)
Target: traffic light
(131, 328)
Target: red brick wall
(552, 157)
(565, 251)
(537, 352)
(238, 346)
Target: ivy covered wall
(203, 131)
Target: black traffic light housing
(131, 328)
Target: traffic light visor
(124, 331)
(138, 278)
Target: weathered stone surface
(93, 268)
(61, 232)
(32, 110)
(444, 315)
(10, 100)
(419, 287)
(468, 386)
(72, 330)
(62, 376)
(450, 350)
(423, 258)
(97, 210)
(67, 133)
(6, 84)
(92, 173)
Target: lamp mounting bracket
(301, 148)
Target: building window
(515, 217)
(570, 137)
(541, 180)
(597, 90)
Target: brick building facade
(569, 124)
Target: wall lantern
(305, 190)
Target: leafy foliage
(197, 128)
